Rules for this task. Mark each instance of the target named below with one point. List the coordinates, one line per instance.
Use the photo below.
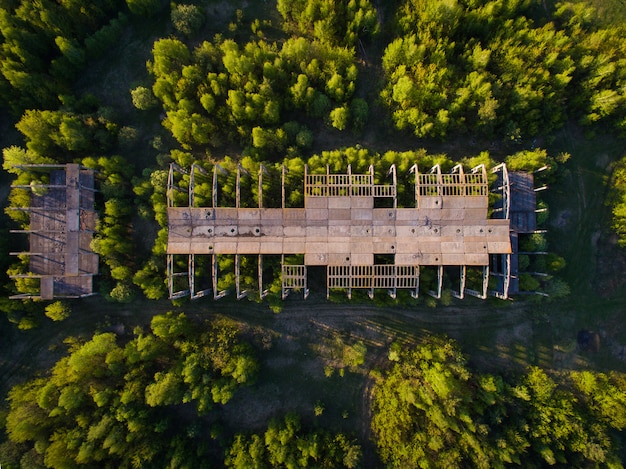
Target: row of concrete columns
(421, 181)
(295, 277)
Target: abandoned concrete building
(450, 229)
(61, 227)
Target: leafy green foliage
(338, 23)
(488, 67)
(144, 7)
(150, 279)
(530, 160)
(15, 156)
(111, 405)
(618, 201)
(58, 311)
(598, 72)
(122, 292)
(423, 411)
(528, 283)
(64, 135)
(561, 430)
(187, 19)
(104, 38)
(534, 242)
(339, 117)
(604, 394)
(429, 410)
(143, 98)
(43, 47)
(113, 240)
(359, 111)
(554, 262)
(226, 92)
(285, 444)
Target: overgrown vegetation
(618, 200)
(280, 85)
(285, 445)
(109, 403)
(501, 68)
(430, 410)
(222, 92)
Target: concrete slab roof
(442, 225)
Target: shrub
(187, 19)
(143, 98)
(528, 283)
(339, 117)
(122, 292)
(58, 311)
(557, 288)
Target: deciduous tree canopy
(430, 410)
(338, 23)
(112, 405)
(284, 444)
(44, 44)
(224, 91)
(500, 67)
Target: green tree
(151, 280)
(122, 292)
(58, 311)
(113, 406)
(339, 117)
(528, 160)
(338, 23)
(489, 67)
(169, 56)
(61, 135)
(560, 430)
(143, 98)
(226, 92)
(604, 395)
(359, 112)
(187, 19)
(617, 200)
(428, 411)
(113, 240)
(285, 444)
(15, 156)
(528, 283)
(43, 48)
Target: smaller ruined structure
(62, 223)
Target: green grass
(578, 213)
(579, 230)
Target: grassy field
(579, 230)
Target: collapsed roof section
(62, 223)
